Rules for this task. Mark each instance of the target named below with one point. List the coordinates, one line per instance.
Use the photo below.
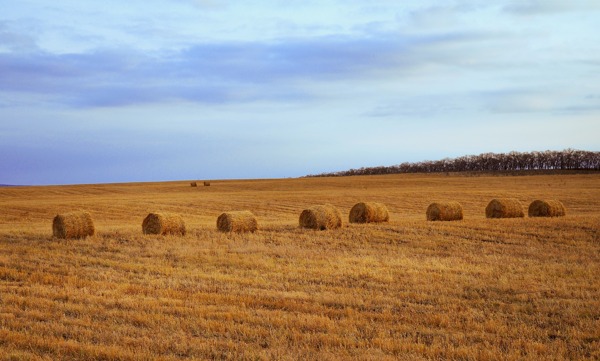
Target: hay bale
(73, 225)
(446, 211)
(547, 208)
(194, 184)
(237, 221)
(207, 184)
(504, 208)
(163, 223)
(367, 212)
(321, 217)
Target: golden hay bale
(504, 208)
(163, 223)
(321, 217)
(73, 225)
(194, 184)
(206, 184)
(447, 211)
(547, 208)
(367, 212)
(237, 221)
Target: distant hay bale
(194, 184)
(547, 208)
(163, 224)
(504, 208)
(73, 225)
(367, 212)
(321, 217)
(446, 211)
(206, 184)
(237, 221)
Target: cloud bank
(188, 88)
(219, 72)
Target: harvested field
(480, 288)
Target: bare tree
(568, 159)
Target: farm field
(476, 289)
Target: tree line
(568, 159)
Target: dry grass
(504, 208)
(478, 289)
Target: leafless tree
(568, 159)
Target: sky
(154, 90)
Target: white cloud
(535, 7)
(209, 3)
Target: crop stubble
(524, 288)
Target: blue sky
(112, 91)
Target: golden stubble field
(477, 289)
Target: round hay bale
(73, 225)
(504, 208)
(163, 224)
(237, 221)
(207, 184)
(194, 184)
(321, 217)
(367, 212)
(446, 211)
(547, 208)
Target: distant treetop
(568, 159)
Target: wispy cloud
(450, 14)
(538, 100)
(519, 101)
(536, 7)
(209, 3)
(216, 72)
(15, 41)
